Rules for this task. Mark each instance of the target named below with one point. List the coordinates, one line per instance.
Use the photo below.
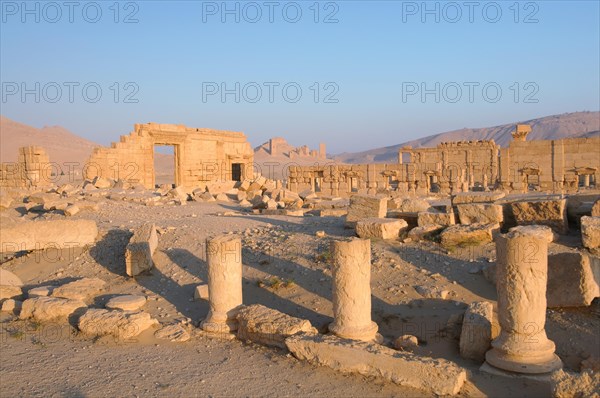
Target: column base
(523, 364)
(368, 333)
(216, 327)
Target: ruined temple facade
(558, 166)
(201, 155)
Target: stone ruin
(554, 166)
(32, 169)
(278, 146)
(527, 281)
(201, 156)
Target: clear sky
(361, 66)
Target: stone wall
(33, 169)
(201, 155)
(556, 166)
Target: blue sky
(516, 60)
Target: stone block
(36, 235)
(139, 251)
(127, 302)
(380, 228)
(572, 279)
(478, 330)
(7, 278)
(10, 292)
(411, 218)
(408, 205)
(590, 233)
(435, 376)
(201, 292)
(49, 308)
(480, 213)
(596, 209)
(468, 235)
(333, 212)
(269, 327)
(80, 289)
(428, 218)
(476, 197)
(552, 213)
(365, 206)
(420, 233)
(120, 324)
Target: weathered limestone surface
(419, 233)
(127, 302)
(11, 305)
(141, 248)
(40, 291)
(539, 230)
(201, 292)
(571, 281)
(9, 292)
(478, 330)
(570, 385)
(468, 235)
(120, 324)
(80, 289)
(590, 233)
(174, 333)
(351, 272)
(408, 205)
(224, 283)
(596, 209)
(480, 213)
(382, 228)
(268, 326)
(333, 212)
(49, 308)
(365, 206)
(476, 197)
(7, 278)
(37, 235)
(437, 376)
(427, 218)
(522, 274)
(406, 342)
(552, 213)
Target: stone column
(522, 274)
(224, 255)
(586, 180)
(351, 270)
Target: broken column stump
(522, 274)
(351, 271)
(224, 283)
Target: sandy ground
(52, 360)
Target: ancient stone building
(279, 146)
(33, 169)
(201, 155)
(559, 166)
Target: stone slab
(269, 327)
(437, 376)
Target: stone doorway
(236, 171)
(166, 165)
